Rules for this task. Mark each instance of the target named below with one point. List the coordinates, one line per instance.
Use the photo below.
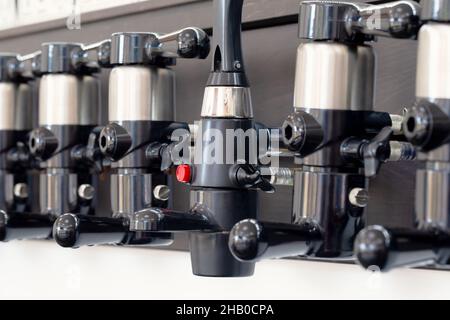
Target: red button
(184, 173)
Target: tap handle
(249, 176)
(353, 21)
(29, 65)
(191, 43)
(252, 240)
(22, 226)
(397, 19)
(74, 231)
(377, 151)
(93, 56)
(382, 249)
(161, 220)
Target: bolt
(86, 192)
(359, 197)
(162, 192)
(107, 140)
(21, 190)
(294, 131)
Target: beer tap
(17, 105)
(64, 144)
(222, 192)
(427, 127)
(138, 139)
(338, 139)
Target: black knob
(193, 43)
(115, 141)
(381, 249)
(251, 240)
(42, 143)
(73, 231)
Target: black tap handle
(228, 65)
(162, 220)
(249, 176)
(382, 249)
(74, 231)
(377, 151)
(24, 226)
(251, 240)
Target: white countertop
(34, 269)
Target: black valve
(115, 141)
(377, 151)
(42, 143)
(91, 154)
(160, 153)
(251, 240)
(21, 226)
(248, 176)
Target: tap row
(51, 169)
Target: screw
(21, 190)
(86, 192)
(162, 192)
(359, 197)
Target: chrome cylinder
(432, 197)
(227, 102)
(68, 100)
(131, 191)
(433, 84)
(58, 192)
(16, 106)
(138, 93)
(433, 68)
(334, 76)
(7, 106)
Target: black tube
(381, 249)
(162, 220)
(228, 66)
(251, 240)
(74, 231)
(23, 226)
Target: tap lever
(249, 176)
(162, 220)
(21, 226)
(382, 249)
(377, 151)
(352, 21)
(191, 42)
(252, 240)
(73, 231)
(96, 54)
